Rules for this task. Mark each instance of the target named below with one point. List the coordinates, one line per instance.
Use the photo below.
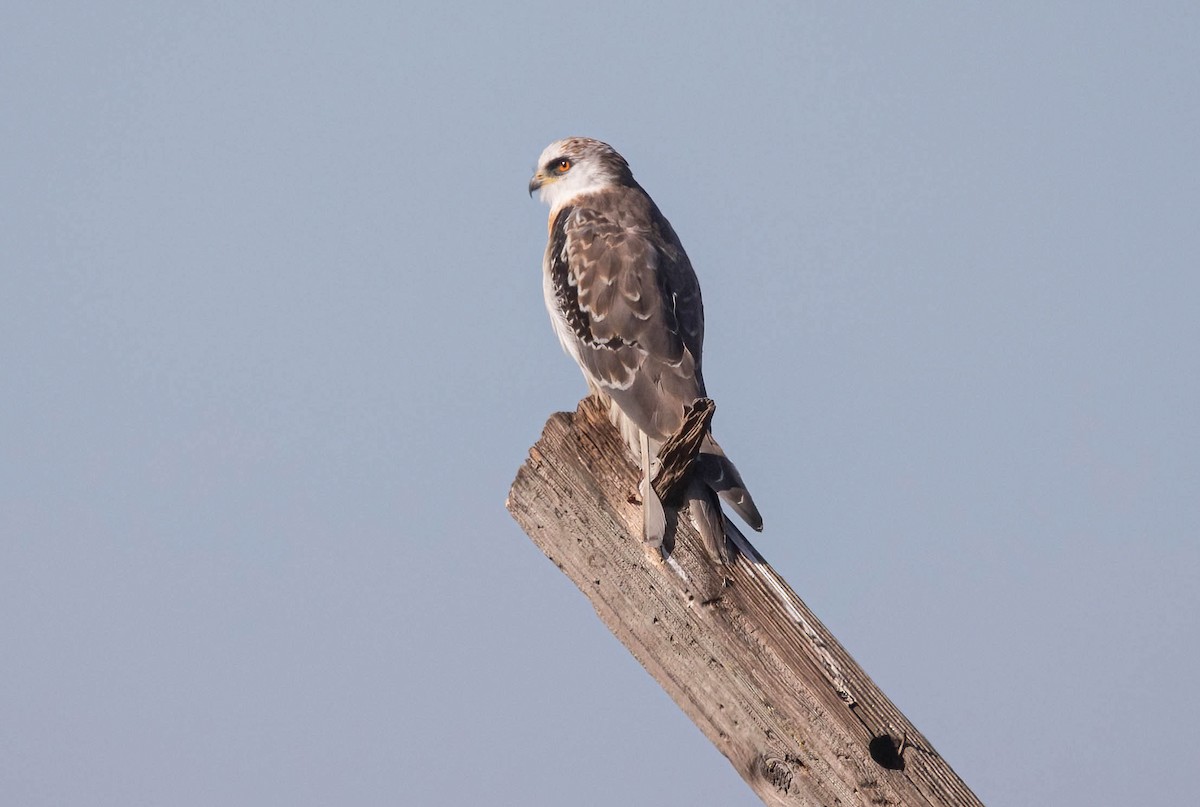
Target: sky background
(272, 348)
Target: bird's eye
(562, 166)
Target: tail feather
(654, 518)
(719, 474)
(710, 523)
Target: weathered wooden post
(734, 646)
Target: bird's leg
(654, 519)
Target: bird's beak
(539, 179)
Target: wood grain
(734, 647)
(678, 454)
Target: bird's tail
(722, 477)
(709, 520)
(716, 476)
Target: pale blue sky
(273, 346)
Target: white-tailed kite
(626, 306)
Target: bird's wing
(686, 308)
(618, 286)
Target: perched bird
(626, 306)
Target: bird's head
(575, 166)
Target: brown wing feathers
(613, 284)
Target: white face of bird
(575, 166)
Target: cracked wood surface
(734, 646)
